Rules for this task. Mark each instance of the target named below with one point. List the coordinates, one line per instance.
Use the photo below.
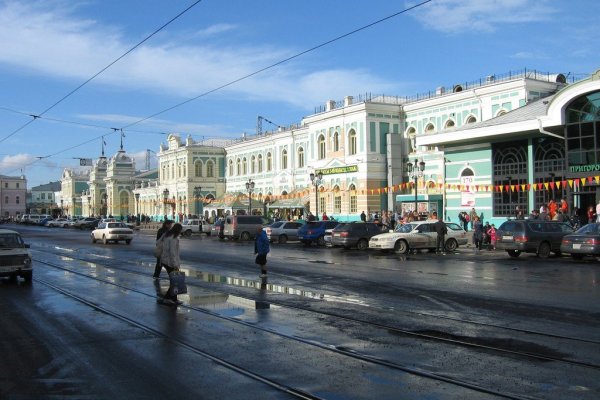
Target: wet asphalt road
(89, 325)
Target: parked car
(59, 222)
(196, 226)
(418, 235)
(531, 236)
(112, 232)
(314, 232)
(86, 223)
(327, 237)
(243, 226)
(282, 231)
(15, 258)
(584, 242)
(44, 221)
(356, 234)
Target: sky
(213, 69)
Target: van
(15, 259)
(243, 226)
(531, 236)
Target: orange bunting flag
(552, 185)
(528, 186)
(590, 179)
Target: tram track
(429, 335)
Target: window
(238, 169)
(411, 135)
(300, 157)
(269, 162)
(6, 185)
(353, 200)
(244, 166)
(198, 168)
(230, 167)
(336, 141)
(449, 124)
(471, 120)
(43, 196)
(337, 203)
(429, 128)
(321, 147)
(210, 169)
(260, 163)
(352, 142)
(253, 165)
(18, 200)
(17, 185)
(284, 159)
(323, 205)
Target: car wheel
(104, 241)
(245, 236)
(128, 241)
(577, 256)
(28, 276)
(451, 245)
(282, 239)
(188, 233)
(544, 250)
(514, 253)
(401, 247)
(93, 239)
(362, 244)
(321, 241)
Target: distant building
(13, 194)
(41, 199)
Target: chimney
(348, 101)
(330, 105)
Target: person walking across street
(170, 258)
(167, 224)
(363, 217)
(261, 249)
(441, 229)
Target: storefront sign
(467, 196)
(339, 170)
(585, 168)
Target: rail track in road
(351, 353)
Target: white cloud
(76, 49)
(530, 55)
(457, 16)
(13, 164)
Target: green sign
(585, 168)
(338, 170)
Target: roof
(48, 187)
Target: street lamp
(137, 203)
(415, 172)
(165, 198)
(250, 188)
(316, 181)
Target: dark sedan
(583, 242)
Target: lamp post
(137, 207)
(316, 181)
(197, 193)
(415, 172)
(250, 188)
(62, 211)
(165, 199)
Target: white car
(418, 235)
(59, 222)
(112, 232)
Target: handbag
(177, 282)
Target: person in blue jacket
(261, 249)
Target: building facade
(13, 195)
(42, 200)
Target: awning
(294, 202)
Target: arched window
(269, 162)
(260, 163)
(238, 169)
(411, 135)
(172, 170)
(230, 167)
(336, 141)
(198, 168)
(429, 128)
(471, 120)
(449, 124)
(353, 203)
(124, 203)
(510, 163)
(210, 169)
(284, 159)
(300, 157)
(253, 165)
(337, 200)
(184, 169)
(352, 145)
(321, 147)
(244, 166)
(500, 112)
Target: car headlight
(27, 261)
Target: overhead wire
(99, 72)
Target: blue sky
(50, 47)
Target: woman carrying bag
(170, 260)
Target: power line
(98, 73)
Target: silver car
(418, 235)
(282, 231)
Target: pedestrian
(472, 216)
(441, 229)
(492, 234)
(477, 233)
(544, 214)
(170, 259)
(324, 217)
(261, 249)
(166, 226)
(363, 217)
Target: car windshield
(9, 240)
(404, 228)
